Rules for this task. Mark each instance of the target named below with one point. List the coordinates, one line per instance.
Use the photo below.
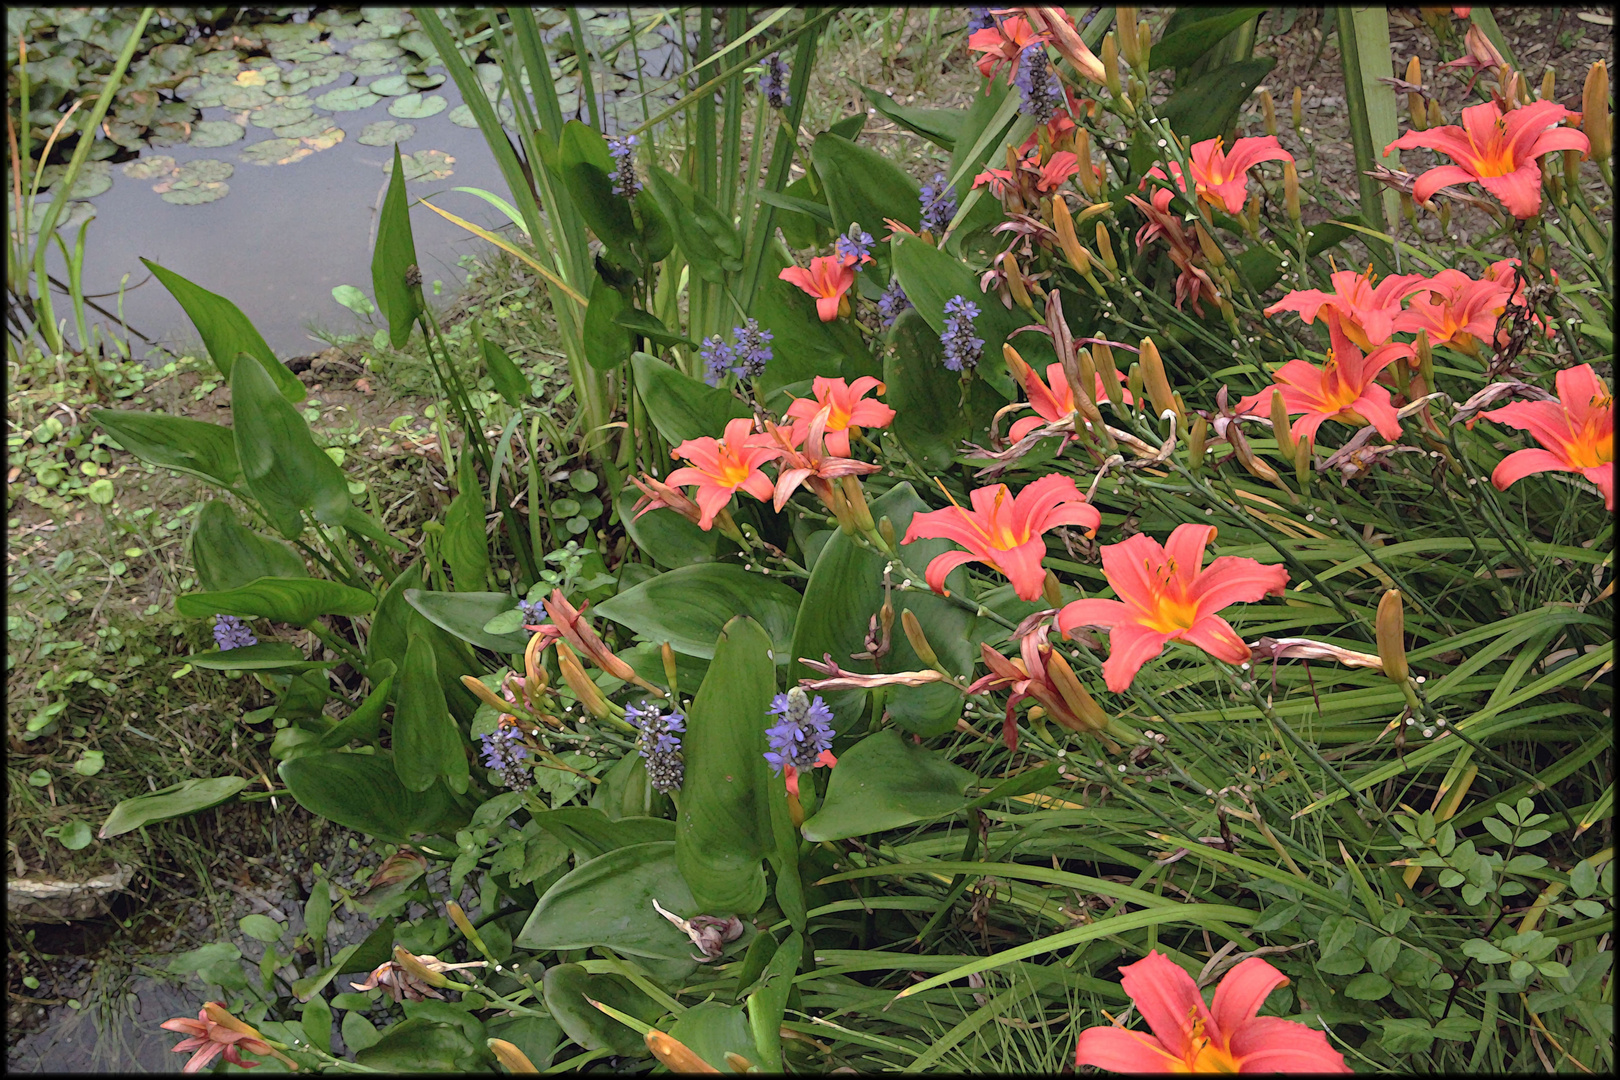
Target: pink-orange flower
(811, 466)
(1165, 594)
(1576, 433)
(1223, 178)
(1045, 178)
(1004, 531)
(1227, 1036)
(1454, 309)
(1052, 399)
(1342, 389)
(828, 279)
(1501, 152)
(846, 407)
(720, 467)
(1367, 313)
(209, 1038)
(1002, 45)
(568, 623)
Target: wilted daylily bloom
(1367, 313)
(1005, 531)
(1341, 389)
(1165, 594)
(568, 622)
(657, 495)
(1455, 309)
(828, 279)
(811, 466)
(1059, 26)
(846, 407)
(708, 932)
(1222, 178)
(1576, 433)
(1041, 673)
(1193, 283)
(411, 977)
(209, 1038)
(1189, 1036)
(1499, 151)
(720, 467)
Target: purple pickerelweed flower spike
(1041, 91)
(752, 351)
(659, 741)
(505, 753)
(719, 360)
(979, 18)
(963, 350)
(854, 247)
(938, 205)
(803, 730)
(232, 633)
(892, 303)
(624, 159)
(773, 83)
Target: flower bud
(1279, 426)
(1133, 383)
(1212, 253)
(1408, 209)
(536, 682)
(1081, 705)
(1015, 283)
(919, 640)
(1050, 592)
(485, 694)
(1196, 442)
(464, 924)
(741, 1064)
(675, 1055)
(861, 514)
(1154, 378)
(1103, 360)
(1425, 355)
(414, 967)
(1129, 43)
(1110, 63)
(1436, 117)
(1144, 44)
(1304, 462)
(1299, 109)
(1414, 75)
(1291, 191)
(886, 530)
(1063, 225)
(1572, 169)
(513, 1059)
(667, 654)
(1595, 111)
(1445, 216)
(1268, 111)
(1088, 171)
(1391, 634)
(1251, 219)
(1547, 85)
(588, 693)
(1105, 247)
(1088, 374)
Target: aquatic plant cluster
(1045, 595)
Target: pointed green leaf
(364, 723)
(669, 539)
(608, 342)
(225, 331)
(942, 127)
(689, 607)
(227, 554)
(393, 259)
(266, 656)
(680, 406)
(508, 378)
(607, 902)
(1209, 105)
(466, 614)
(362, 792)
(285, 470)
(569, 991)
(177, 800)
(711, 1030)
(464, 543)
(650, 327)
(588, 829)
(174, 442)
(925, 397)
(863, 186)
(290, 600)
(767, 1004)
(427, 742)
(587, 169)
(1186, 43)
(884, 782)
(423, 1045)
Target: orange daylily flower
(1576, 433)
(1166, 594)
(828, 279)
(1342, 389)
(720, 467)
(1003, 531)
(1059, 26)
(1047, 178)
(1053, 399)
(812, 466)
(1455, 309)
(1002, 44)
(1189, 1036)
(569, 623)
(1367, 313)
(216, 1032)
(1222, 178)
(1499, 151)
(846, 408)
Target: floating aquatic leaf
(250, 78)
(244, 97)
(426, 80)
(424, 165)
(386, 133)
(347, 99)
(417, 107)
(462, 116)
(125, 133)
(309, 76)
(202, 171)
(389, 86)
(222, 62)
(95, 177)
(168, 133)
(420, 44)
(374, 67)
(207, 134)
(376, 50)
(274, 116)
(325, 140)
(315, 125)
(76, 214)
(150, 168)
(276, 152)
(196, 196)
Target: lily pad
(386, 133)
(389, 86)
(202, 171)
(315, 125)
(347, 99)
(150, 168)
(419, 43)
(208, 134)
(374, 67)
(309, 76)
(196, 182)
(196, 196)
(426, 80)
(462, 116)
(222, 62)
(250, 78)
(424, 165)
(95, 178)
(325, 140)
(417, 107)
(244, 97)
(274, 116)
(277, 152)
(376, 50)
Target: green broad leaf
(844, 592)
(393, 259)
(1368, 987)
(1406, 1036)
(588, 829)
(978, 141)
(668, 538)
(318, 910)
(466, 614)
(421, 1045)
(680, 406)
(417, 106)
(767, 1004)
(926, 398)
(804, 218)
(608, 342)
(316, 1020)
(290, 600)
(931, 278)
(266, 656)
(650, 327)
(225, 331)
(391, 628)
(427, 742)
(607, 902)
(885, 782)
(587, 169)
(364, 723)
(804, 346)
(536, 1036)
(1209, 105)
(385, 133)
(657, 237)
(464, 543)
(260, 928)
(798, 204)
(201, 449)
(358, 1032)
(569, 990)
(708, 241)
(689, 607)
(362, 792)
(211, 134)
(347, 99)
(177, 800)
(389, 86)
(863, 186)
(1186, 43)
(227, 554)
(942, 127)
(508, 378)
(723, 829)
(711, 1030)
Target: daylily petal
(1023, 568)
(941, 566)
(1272, 1044)
(1104, 613)
(1168, 1000)
(1215, 636)
(1122, 1050)
(1519, 190)
(1521, 463)
(1130, 645)
(1424, 187)
(1242, 991)
(1234, 579)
